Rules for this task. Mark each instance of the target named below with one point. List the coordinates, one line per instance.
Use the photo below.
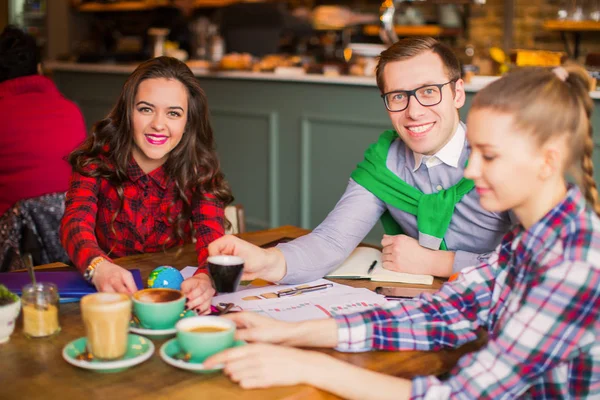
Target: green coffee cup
(158, 308)
(203, 336)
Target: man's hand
(402, 253)
(267, 264)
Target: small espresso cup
(203, 336)
(158, 308)
(225, 272)
(106, 319)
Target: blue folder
(70, 284)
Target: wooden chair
(235, 215)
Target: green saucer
(139, 349)
(170, 351)
(135, 327)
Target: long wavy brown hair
(193, 164)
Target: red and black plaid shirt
(141, 226)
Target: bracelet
(89, 271)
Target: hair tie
(561, 73)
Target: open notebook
(357, 266)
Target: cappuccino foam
(157, 295)
(107, 301)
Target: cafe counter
(287, 143)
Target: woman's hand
(109, 277)
(265, 365)
(199, 292)
(257, 328)
(256, 366)
(267, 264)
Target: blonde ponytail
(587, 166)
(581, 85)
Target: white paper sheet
(336, 300)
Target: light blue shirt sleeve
(464, 259)
(313, 256)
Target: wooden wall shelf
(571, 26)
(407, 30)
(215, 3)
(120, 6)
(416, 30)
(141, 5)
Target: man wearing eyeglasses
(411, 179)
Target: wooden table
(34, 368)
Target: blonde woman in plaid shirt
(538, 296)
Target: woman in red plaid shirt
(147, 179)
(537, 296)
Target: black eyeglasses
(427, 96)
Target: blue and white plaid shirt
(538, 297)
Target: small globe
(165, 277)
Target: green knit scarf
(433, 211)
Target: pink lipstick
(156, 140)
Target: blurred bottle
(573, 10)
(449, 16)
(158, 36)
(217, 44)
(200, 43)
(594, 10)
(563, 9)
(578, 13)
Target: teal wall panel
(94, 93)
(247, 146)
(95, 110)
(331, 148)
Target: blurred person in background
(39, 126)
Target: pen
(371, 267)
(304, 290)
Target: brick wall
(486, 23)
(486, 27)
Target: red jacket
(38, 129)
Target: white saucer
(139, 349)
